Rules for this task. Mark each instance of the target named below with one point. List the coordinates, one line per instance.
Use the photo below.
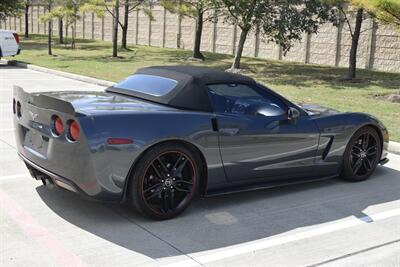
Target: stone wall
(379, 47)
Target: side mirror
(269, 111)
(293, 113)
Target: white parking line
(13, 176)
(264, 243)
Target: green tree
(387, 11)
(60, 13)
(130, 6)
(49, 19)
(347, 11)
(112, 7)
(282, 22)
(69, 12)
(200, 10)
(10, 8)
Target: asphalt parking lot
(326, 223)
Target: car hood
(315, 110)
(91, 102)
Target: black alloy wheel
(167, 182)
(362, 155)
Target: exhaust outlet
(48, 182)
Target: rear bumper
(43, 174)
(40, 173)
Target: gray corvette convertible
(166, 134)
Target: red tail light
(16, 36)
(58, 126)
(74, 131)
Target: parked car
(9, 43)
(165, 134)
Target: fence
(379, 46)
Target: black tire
(165, 180)
(362, 155)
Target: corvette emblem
(34, 116)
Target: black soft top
(191, 90)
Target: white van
(9, 43)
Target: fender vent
(327, 148)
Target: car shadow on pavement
(221, 221)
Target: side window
(244, 99)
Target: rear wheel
(165, 181)
(362, 155)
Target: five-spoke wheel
(165, 181)
(362, 155)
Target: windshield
(147, 84)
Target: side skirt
(245, 188)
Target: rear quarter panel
(113, 163)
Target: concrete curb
(61, 73)
(394, 147)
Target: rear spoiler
(43, 101)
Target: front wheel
(362, 155)
(165, 181)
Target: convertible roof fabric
(191, 91)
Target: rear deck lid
(91, 102)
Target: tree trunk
(61, 30)
(73, 33)
(115, 29)
(125, 26)
(197, 39)
(66, 33)
(351, 74)
(238, 56)
(179, 34)
(50, 52)
(26, 20)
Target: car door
(258, 141)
